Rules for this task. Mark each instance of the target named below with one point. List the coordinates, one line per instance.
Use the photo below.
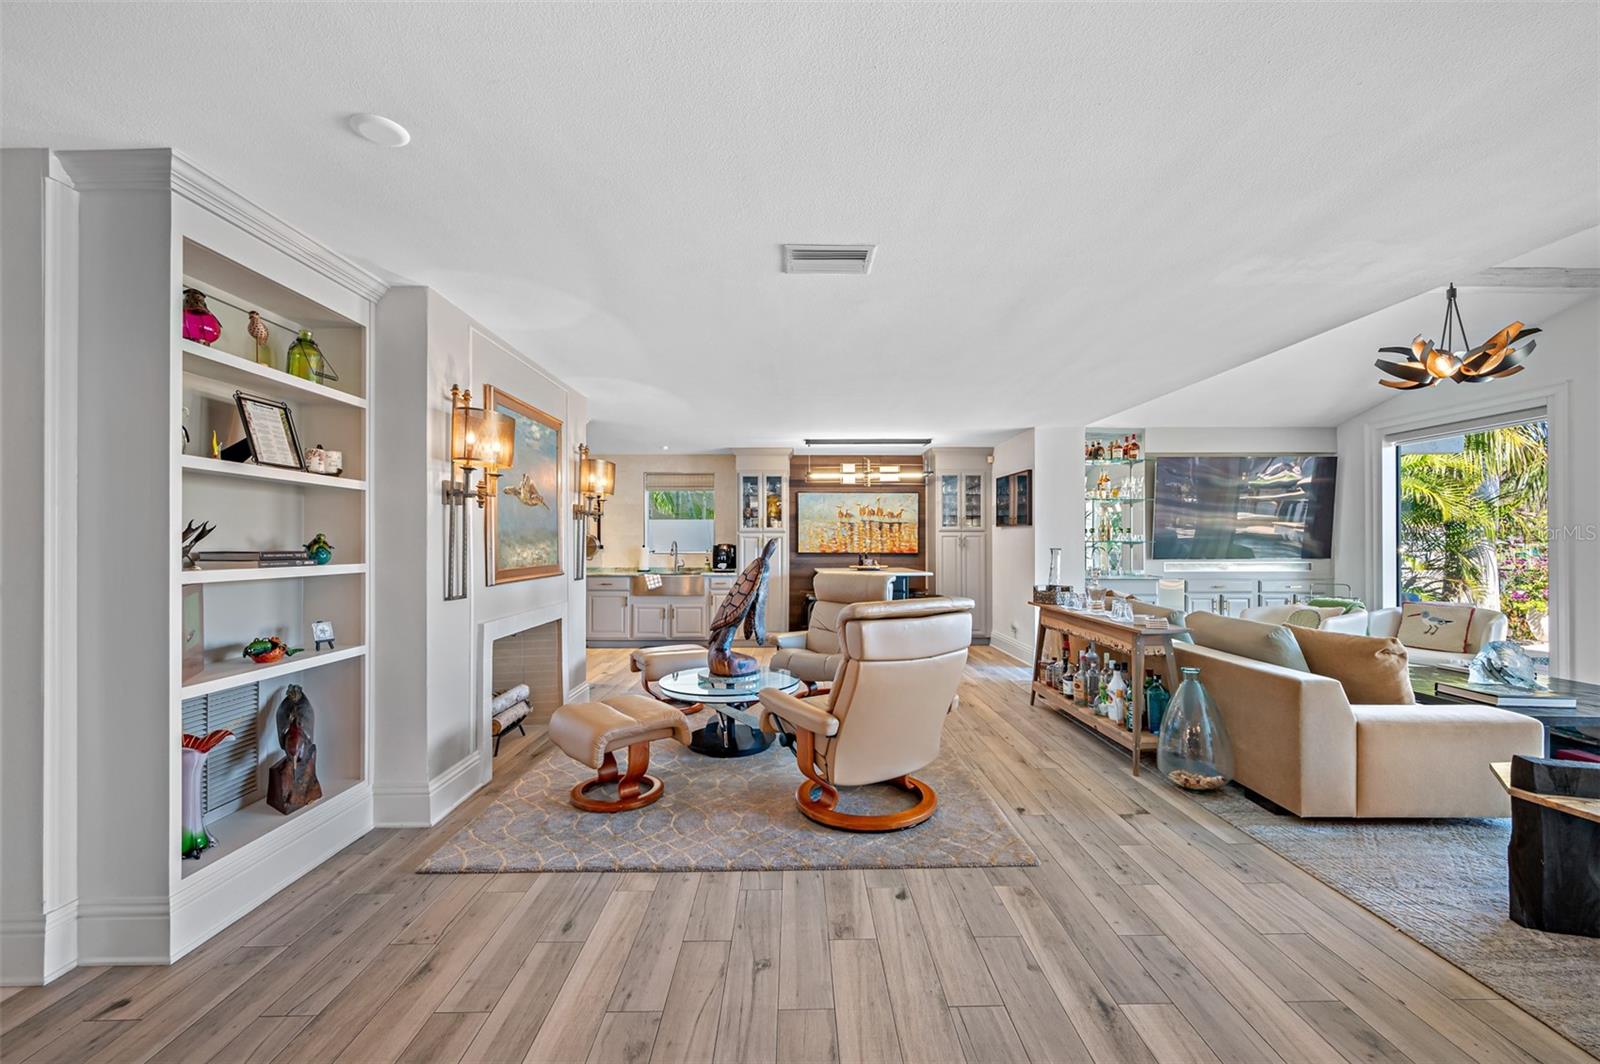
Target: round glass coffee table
(735, 731)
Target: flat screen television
(1215, 507)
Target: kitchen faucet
(677, 562)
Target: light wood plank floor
(1151, 932)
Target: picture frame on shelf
(269, 434)
(522, 525)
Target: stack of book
(1505, 696)
(251, 559)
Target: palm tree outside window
(1473, 524)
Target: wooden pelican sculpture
(747, 602)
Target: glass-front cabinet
(960, 501)
(750, 507)
(761, 501)
(774, 500)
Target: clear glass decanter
(1193, 750)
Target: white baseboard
(456, 784)
(34, 950)
(400, 805)
(579, 693)
(1011, 648)
(125, 931)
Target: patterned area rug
(725, 814)
(1443, 883)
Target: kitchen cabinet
(608, 615)
(688, 620)
(650, 618)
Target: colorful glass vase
(199, 324)
(1193, 750)
(195, 839)
(305, 357)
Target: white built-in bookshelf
(260, 507)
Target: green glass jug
(305, 357)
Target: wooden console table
(1135, 641)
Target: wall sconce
(597, 479)
(479, 439)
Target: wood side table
(1135, 641)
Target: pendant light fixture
(1428, 363)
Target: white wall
(1011, 567)
(38, 567)
(432, 749)
(1563, 372)
(624, 521)
(1240, 439)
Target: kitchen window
(681, 508)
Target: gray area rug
(1443, 883)
(725, 814)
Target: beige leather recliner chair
(900, 666)
(814, 655)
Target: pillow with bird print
(1436, 626)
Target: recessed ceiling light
(384, 132)
(664, 447)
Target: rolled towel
(509, 696)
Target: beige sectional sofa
(1299, 742)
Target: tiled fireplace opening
(530, 657)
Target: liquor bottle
(1091, 680)
(1118, 691)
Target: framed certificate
(269, 429)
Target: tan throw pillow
(1436, 626)
(1370, 668)
(1268, 643)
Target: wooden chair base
(635, 790)
(818, 800)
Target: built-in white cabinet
(608, 615)
(961, 568)
(960, 502)
(688, 620)
(1231, 597)
(649, 618)
(751, 544)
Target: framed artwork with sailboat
(522, 527)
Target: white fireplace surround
(483, 680)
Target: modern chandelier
(1428, 363)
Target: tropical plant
(1473, 523)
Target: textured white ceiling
(1078, 207)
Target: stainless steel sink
(675, 584)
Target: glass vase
(1193, 750)
(195, 837)
(305, 357)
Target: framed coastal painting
(857, 522)
(523, 529)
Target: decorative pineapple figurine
(258, 332)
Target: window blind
(680, 482)
(229, 782)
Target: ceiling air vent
(827, 258)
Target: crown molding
(162, 169)
(200, 188)
(129, 168)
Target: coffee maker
(724, 557)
